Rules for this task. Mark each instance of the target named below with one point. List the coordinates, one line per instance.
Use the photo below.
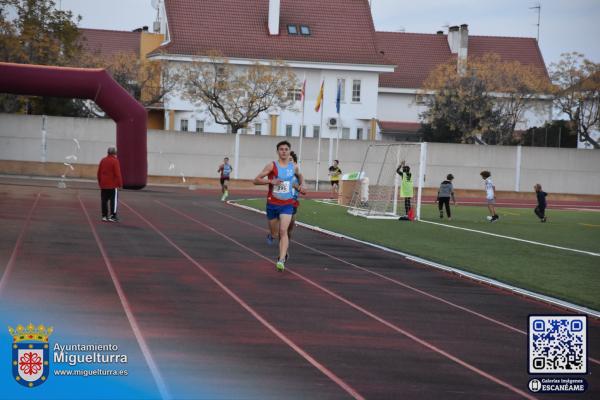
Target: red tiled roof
(108, 43)
(417, 54)
(398, 127)
(342, 31)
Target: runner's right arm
(259, 180)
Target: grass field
(563, 274)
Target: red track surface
(190, 283)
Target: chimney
(439, 32)
(274, 6)
(462, 49)
(453, 39)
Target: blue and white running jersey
(282, 193)
(226, 170)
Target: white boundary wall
(175, 153)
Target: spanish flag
(319, 98)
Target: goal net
(378, 191)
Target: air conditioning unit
(332, 122)
(420, 98)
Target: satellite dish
(154, 4)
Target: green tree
(459, 110)
(577, 93)
(486, 101)
(38, 33)
(235, 96)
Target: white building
(417, 55)
(322, 41)
(330, 41)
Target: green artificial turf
(563, 274)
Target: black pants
(444, 201)
(407, 204)
(106, 196)
(540, 212)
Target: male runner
(225, 170)
(280, 200)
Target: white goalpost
(378, 194)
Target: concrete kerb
(465, 274)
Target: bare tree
(148, 81)
(235, 96)
(577, 93)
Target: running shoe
(104, 219)
(269, 239)
(280, 265)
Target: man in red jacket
(109, 180)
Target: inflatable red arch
(94, 84)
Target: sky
(565, 26)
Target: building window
(356, 91)
(342, 82)
(288, 130)
(294, 94)
(258, 129)
(304, 30)
(368, 137)
(292, 30)
(345, 133)
(359, 133)
(183, 125)
(199, 126)
(316, 131)
(303, 130)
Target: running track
(190, 283)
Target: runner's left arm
(301, 187)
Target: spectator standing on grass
(540, 209)
(406, 187)
(334, 176)
(109, 180)
(490, 195)
(445, 192)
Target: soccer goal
(377, 193)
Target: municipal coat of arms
(30, 354)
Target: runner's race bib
(282, 187)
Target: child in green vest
(406, 188)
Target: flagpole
(302, 120)
(319, 139)
(338, 108)
(337, 143)
(319, 150)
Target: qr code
(557, 344)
